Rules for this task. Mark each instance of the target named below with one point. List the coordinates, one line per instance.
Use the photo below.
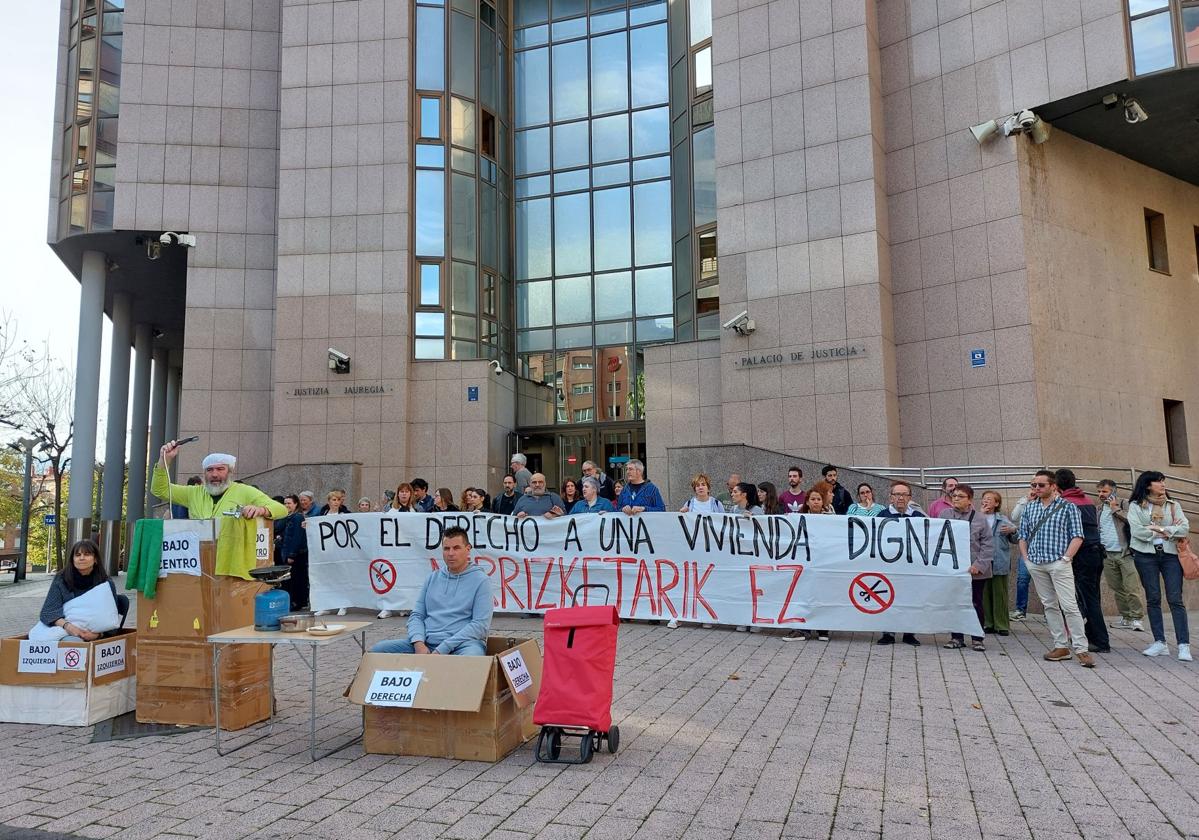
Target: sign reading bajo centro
(831, 572)
(803, 355)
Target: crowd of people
(1056, 539)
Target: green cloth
(145, 557)
(235, 545)
(200, 505)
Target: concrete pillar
(143, 340)
(87, 393)
(174, 384)
(118, 417)
(158, 412)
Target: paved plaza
(723, 735)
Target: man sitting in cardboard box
(453, 611)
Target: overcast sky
(40, 295)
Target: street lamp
(25, 445)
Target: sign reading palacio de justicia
(802, 355)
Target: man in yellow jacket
(218, 494)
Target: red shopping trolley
(575, 699)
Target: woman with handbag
(1155, 524)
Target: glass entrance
(560, 455)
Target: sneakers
(795, 636)
(1136, 625)
(1058, 654)
(822, 635)
(755, 629)
(1159, 649)
(342, 611)
(910, 639)
(384, 613)
(1086, 660)
(1016, 615)
(673, 624)
(886, 639)
(741, 628)
(706, 626)
(1122, 624)
(1184, 653)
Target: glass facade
(463, 182)
(564, 191)
(1164, 34)
(90, 112)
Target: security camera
(741, 323)
(494, 364)
(1133, 112)
(185, 240)
(153, 250)
(736, 320)
(1026, 119)
(339, 362)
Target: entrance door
(573, 450)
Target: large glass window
(609, 73)
(532, 239)
(532, 94)
(704, 166)
(430, 213)
(1164, 33)
(430, 48)
(572, 234)
(650, 75)
(570, 80)
(613, 235)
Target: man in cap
(218, 494)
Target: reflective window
(429, 323)
(570, 145)
(532, 94)
(572, 234)
(430, 213)
(573, 337)
(571, 181)
(464, 296)
(650, 75)
(1140, 7)
(534, 36)
(572, 299)
(1152, 43)
(613, 296)
(570, 80)
(462, 68)
(464, 210)
(606, 176)
(565, 30)
(568, 8)
(613, 234)
(1190, 33)
(488, 75)
(703, 70)
(655, 292)
(430, 117)
(429, 348)
(608, 22)
(700, 18)
(618, 332)
(648, 169)
(529, 187)
(462, 122)
(651, 214)
(430, 284)
(534, 304)
(531, 11)
(532, 239)
(609, 74)
(532, 151)
(651, 132)
(430, 48)
(647, 13)
(704, 157)
(650, 330)
(488, 225)
(610, 138)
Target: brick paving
(723, 736)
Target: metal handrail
(1006, 476)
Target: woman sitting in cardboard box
(89, 620)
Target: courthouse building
(418, 235)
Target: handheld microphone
(191, 439)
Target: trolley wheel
(555, 743)
(613, 738)
(585, 749)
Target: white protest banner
(72, 659)
(37, 657)
(110, 657)
(393, 688)
(180, 555)
(793, 571)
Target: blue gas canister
(269, 607)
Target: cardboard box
(464, 707)
(174, 684)
(192, 607)
(67, 683)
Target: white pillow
(94, 610)
(42, 633)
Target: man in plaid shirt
(1050, 535)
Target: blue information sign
(978, 358)
(472, 393)
(49, 519)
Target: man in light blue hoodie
(453, 611)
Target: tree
(19, 361)
(41, 408)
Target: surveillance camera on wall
(496, 368)
(741, 323)
(185, 240)
(1133, 112)
(339, 362)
